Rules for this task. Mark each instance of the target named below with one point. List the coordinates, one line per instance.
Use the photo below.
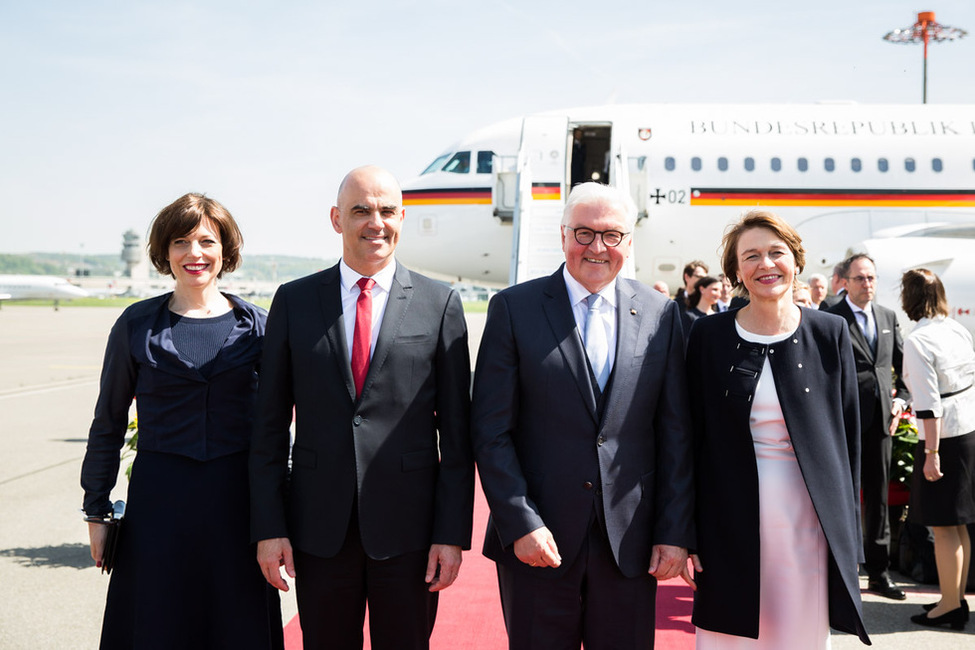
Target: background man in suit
(877, 349)
(838, 284)
(817, 289)
(581, 435)
(693, 271)
(378, 504)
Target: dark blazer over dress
(188, 490)
(816, 385)
(180, 411)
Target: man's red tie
(363, 333)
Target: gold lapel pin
(633, 311)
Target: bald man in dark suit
(377, 503)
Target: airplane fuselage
(841, 174)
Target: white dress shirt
(350, 295)
(607, 311)
(870, 330)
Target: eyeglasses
(586, 236)
(863, 279)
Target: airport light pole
(924, 30)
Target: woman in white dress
(777, 457)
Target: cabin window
(749, 164)
(909, 164)
(828, 164)
(459, 164)
(723, 164)
(485, 162)
(669, 163)
(776, 164)
(882, 164)
(696, 163)
(855, 164)
(436, 165)
(803, 164)
(936, 164)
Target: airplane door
(536, 247)
(619, 176)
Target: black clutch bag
(111, 543)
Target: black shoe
(955, 618)
(886, 588)
(964, 606)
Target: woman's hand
(932, 467)
(97, 535)
(685, 573)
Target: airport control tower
(136, 265)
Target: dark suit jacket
(816, 384)
(832, 300)
(401, 451)
(181, 411)
(544, 455)
(874, 378)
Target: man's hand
(443, 566)
(895, 412)
(538, 548)
(272, 554)
(667, 561)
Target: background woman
(705, 296)
(939, 369)
(701, 302)
(186, 575)
(777, 453)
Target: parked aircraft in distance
(38, 287)
(895, 181)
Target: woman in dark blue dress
(185, 573)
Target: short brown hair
(758, 219)
(183, 216)
(923, 295)
(693, 265)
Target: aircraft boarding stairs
(530, 192)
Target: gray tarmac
(51, 595)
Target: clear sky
(111, 110)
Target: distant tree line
(264, 268)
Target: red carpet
(469, 616)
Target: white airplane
(895, 181)
(38, 287)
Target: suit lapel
(628, 309)
(885, 333)
(330, 300)
(558, 312)
(397, 305)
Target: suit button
(587, 485)
(357, 420)
(601, 440)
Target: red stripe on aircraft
(780, 196)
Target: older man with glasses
(581, 435)
(878, 352)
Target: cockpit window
(485, 162)
(459, 164)
(436, 164)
